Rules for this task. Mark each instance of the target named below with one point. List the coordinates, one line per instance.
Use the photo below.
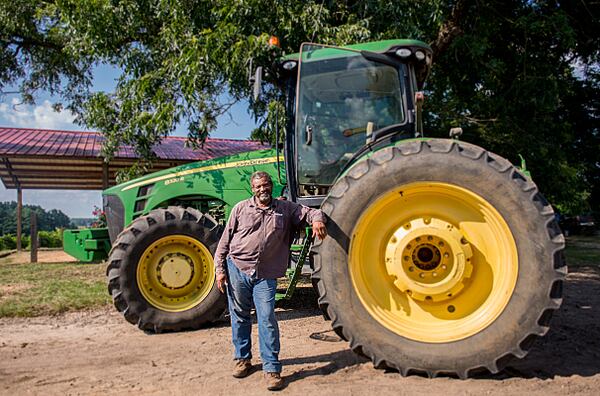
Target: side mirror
(257, 82)
(455, 132)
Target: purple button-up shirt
(258, 239)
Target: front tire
(161, 272)
(443, 259)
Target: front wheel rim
(433, 262)
(175, 273)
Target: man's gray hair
(261, 175)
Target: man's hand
(221, 282)
(319, 229)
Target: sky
(237, 124)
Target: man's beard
(264, 198)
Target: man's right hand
(221, 282)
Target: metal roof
(56, 159)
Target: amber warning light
(274, 41)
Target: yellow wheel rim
(433, 262)
(175, 273)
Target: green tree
(519, 76)
(46, 221)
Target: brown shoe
(242, 368)
(274, 381)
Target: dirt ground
(99, 353)
(44, 256)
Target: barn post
(19, 217)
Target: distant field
(50, 288)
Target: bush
(9, 242)
(50, 239)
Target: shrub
(9, 242)
(50, 239)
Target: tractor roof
(381, 47)
(373, 46)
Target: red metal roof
(55, 143)
(50, 159)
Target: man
(252, 253)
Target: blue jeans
(242, 290)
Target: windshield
(341, 98)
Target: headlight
(420, 55)
(403, 52)
(289, 65)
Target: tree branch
(451, 28)
(28, 42)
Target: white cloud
(41, 116)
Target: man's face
(262, 189)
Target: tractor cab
(342, 102)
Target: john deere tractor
(442, 257)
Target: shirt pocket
(278, 221)
(247, 223)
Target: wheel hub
(429, 259)
(460, 299)
(426, 257)
(175, 273)
(175, 270)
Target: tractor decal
(237, 164)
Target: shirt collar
(252, 203)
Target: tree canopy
(520, 77)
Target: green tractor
(442, 258)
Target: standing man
(252, 253)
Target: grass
(45, 289)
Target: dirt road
(99, 353)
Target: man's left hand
(319, 230)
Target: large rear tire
(442, 258)
(161, 272)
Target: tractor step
(293, 274)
